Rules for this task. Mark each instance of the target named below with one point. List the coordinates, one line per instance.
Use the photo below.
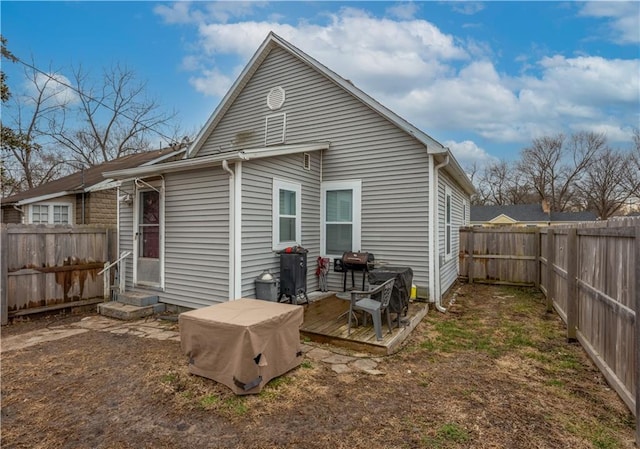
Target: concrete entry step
(128, 312)
(137, 298)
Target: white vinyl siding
(257, 215)
(448, 236)
(392, 166)
(450, 263)
(287, 213)
(125, 230)
(196, 238)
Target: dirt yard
(494, 372)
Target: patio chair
(368, 301)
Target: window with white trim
(341, 204)
(447, 223)
(287, 214)
(465, 209)
(50, 214)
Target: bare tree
(501, 183)
(604, 187)
(553, 165)
(113, 118)
(25, 160)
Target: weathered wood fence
(44, 268)
(590, 275)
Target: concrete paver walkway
(163, 330)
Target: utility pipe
(232, 227)
(436, 285)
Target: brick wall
(10, 215)
(99, 208)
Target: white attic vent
(306, 161)
(275, 98)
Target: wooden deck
(323, 323)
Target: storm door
(148, 238)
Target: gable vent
(275, 98)
(306, 161)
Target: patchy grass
(494, 371)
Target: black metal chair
(368, 301)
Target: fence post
(106, 287)
(637, 329)
(536, 251)
(4, 271)
(470, 253)
(572, 284)
(550, 273)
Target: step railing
(122, 269)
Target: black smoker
(293, 274)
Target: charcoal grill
(352, 261)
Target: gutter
(434, 266)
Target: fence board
(590, 274)
(50, 267)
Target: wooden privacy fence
(590, 275)
(44, 268)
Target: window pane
(150, 241)
(150, 207)
(287, 229)
(339, 206)
(448, 239)
(448, 209)
(40, 214)
(287, 202)
(339, 238)
(61, 214)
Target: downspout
(21, 211)
(235, 236)
(434, 266)
(232, 237)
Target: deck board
(323, 324)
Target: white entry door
(148, 237)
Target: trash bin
(267, 286)
(401, 289)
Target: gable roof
(89, 179)
(272, 41)
(526, 213)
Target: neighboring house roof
(526, 213)
(573, 216)
(88, 180)
(273, 40)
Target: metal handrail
(124, 255)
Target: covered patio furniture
(374, 302)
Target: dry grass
(494, 372)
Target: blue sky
(483, 78)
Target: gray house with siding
(293, 155)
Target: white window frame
(50, 212)
(278, 185)
(448, 219)
(356, 214)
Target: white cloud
(624, 18)
(468, 152)
(435, 80)
(404, 11)
(54, 88)
(212, 83)
(467, 7)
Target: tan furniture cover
(242, 344)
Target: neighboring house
(524, 215)
(293, 155)
(85, 197)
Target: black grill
(354, 261)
